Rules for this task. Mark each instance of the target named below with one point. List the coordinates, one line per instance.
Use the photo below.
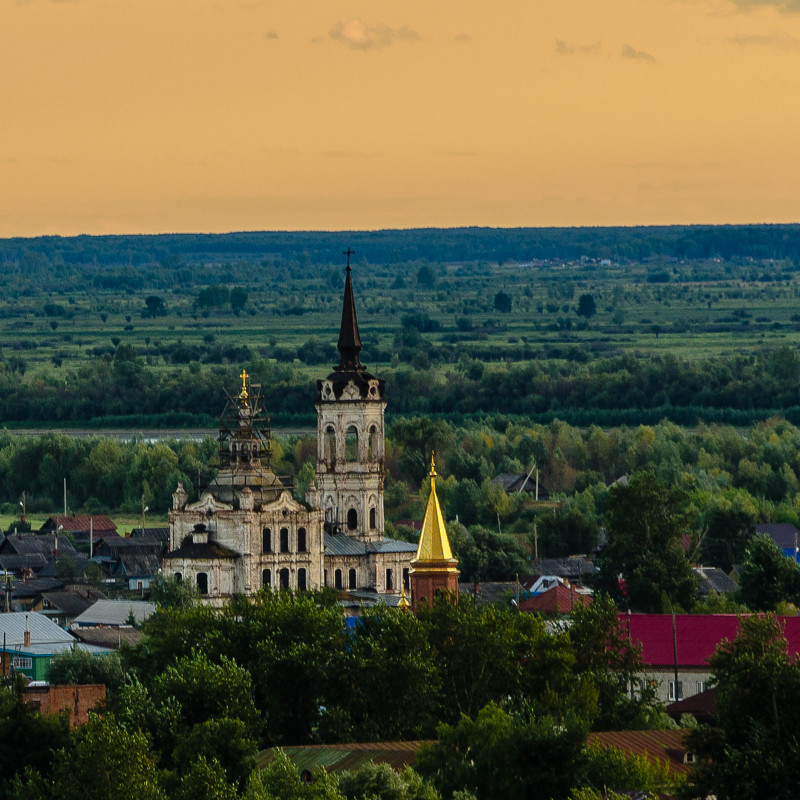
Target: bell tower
(350, 436)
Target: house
(514, 482)
(713, 579)
(111, 638)
(572, 568)
(135, 561)
(559, 599)
(78, 701)
(785, 536)
(655, 746)
(30, 642)
(29, 544)
(62, 606)
(26, 595)
(112, 613)
(687, 651)
(159, 534)
(79, 526)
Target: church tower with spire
(350, 437)
(433, 570)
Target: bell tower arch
(350, 436)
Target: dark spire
(349, 337)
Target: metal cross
(348, 253)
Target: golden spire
(403, 605)
(433, 542)
(243, 394)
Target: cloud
(462, 38)
(271, 35)
(355, 33)
(784, 6)
(777, 41)
(566, 49)
(636, 55)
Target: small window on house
(202, 582)
(301, 540)
(389, 582)
(352, 519)
(351, 579)
(673, 696)
(266, 579)
(284, 578)
(351, 444)
(301, 580)
(405, 578)
(266, 541)
(337, 579)
(284, 540)
(701, 686)
(178, 577)
(372, 516)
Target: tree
(586, 306)
(238, 299)
(502, 302)
(729, 524)
(426, 276)
(81, 667)
(752, 752)
(154, 306)
(168, 592)
(644, 565)
(768, 577)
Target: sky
(153, 116)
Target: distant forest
(440, 245)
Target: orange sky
(139, 116)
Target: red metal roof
(558, 600)
(698, 636)
(662, 745)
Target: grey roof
(572, 567)
(341, 545)
(15, 563)
(203, 550)
(35, 586)
(24, 544)
(161, 534)
(514, 481)
(489, 591)
(138, 565)
(59, 647)
(70, 603)
(713, 578)
(109, 637)
(115, 612)
(782, 533)
(42, 629)
(128, 545)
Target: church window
(266, 541)
(325, 578)
(337, 579)
(351, 579)
(266, 579)
(301, 579)
(372, 444)
(352, 519)
(372, 519)
(301, 540)
(405, 578)
(284, 540)
(389, 582)
(284, 578)
(330, 445)
(178, 577)
(202, 582)
(351, 444)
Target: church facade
(248, 532)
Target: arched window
(372, 520)
(266, 579)
(352, 519)
(351, 444)
(301, 579)
(351, 579)
(284, 578)
(202, 582)
(266, 541)
(178, 577)
(301, 540)
(337, 579)
(284, 540)
(405, 578)
(372, 444)
(389, 581)
(330, 445)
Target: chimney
(27, 638)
